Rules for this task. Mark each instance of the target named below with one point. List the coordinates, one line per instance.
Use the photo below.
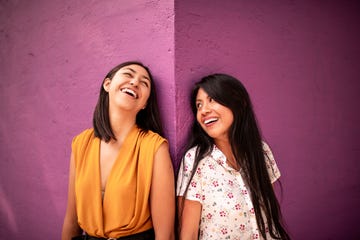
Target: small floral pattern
(227, 211)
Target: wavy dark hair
(146, 119)
(246, 144)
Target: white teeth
(130, 92)
(210, 120)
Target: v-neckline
(131, 133)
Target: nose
(134, 81)
(204, 109)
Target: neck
(225, 148)
(121, 123)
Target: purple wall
(300, 61)
(53, 57)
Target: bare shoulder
(162, 156)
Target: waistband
(147, 235)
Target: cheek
(146, 96)
(230, 117)
(147, 91)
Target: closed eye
(145, 83)
(127, 74)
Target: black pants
(147, 235)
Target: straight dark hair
(146, 119)
(246, 144)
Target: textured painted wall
(300, 61)
(53, 57)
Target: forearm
(165, 235)
(189, 218)
(70, 230)
(188, 235)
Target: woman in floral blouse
(224, 184)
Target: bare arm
(189, 218)
(70, 227)
(162, 196)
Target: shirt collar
(220, 158)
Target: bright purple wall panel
(53, 57)
(300, 61)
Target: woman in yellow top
(121, 181)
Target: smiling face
(215, 119)
(129, 89)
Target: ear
(106, 84)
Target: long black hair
(146, 119)
(247, 147)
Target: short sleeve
(185, 172)
(184, 177)
(273, 170)
(180, 179)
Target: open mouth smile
(129, 92)
(210, 121)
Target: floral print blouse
(227, 211)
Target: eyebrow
(132, 70)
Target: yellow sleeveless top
(124, 209)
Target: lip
(209, 121)
(130, 92)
